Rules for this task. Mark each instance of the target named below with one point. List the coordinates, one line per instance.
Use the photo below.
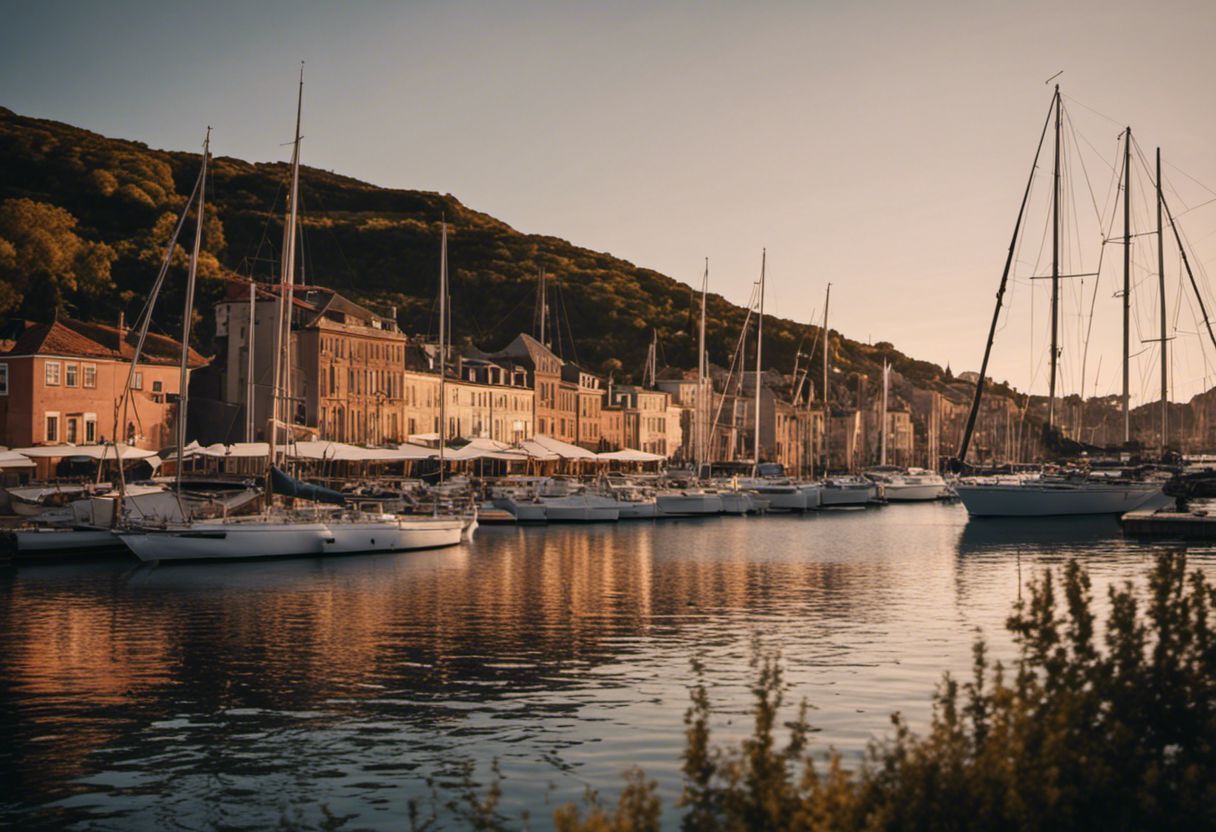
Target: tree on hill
(43, 260)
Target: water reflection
(194, 696)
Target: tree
(43, 259)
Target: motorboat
(916, 485)
(688, 502)
(581, 508)
(782, 494)
(847, 492)
(737, 502)
(1052, 496)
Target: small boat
(782, 494)
(690, 502)
(51, 542)
(847, 492)
(916, 485)
(737, 502)
(581, 508)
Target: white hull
(782, 499)
(681, 504)
(637, 510)
(525, 512)
(581, 509)
(837, 496)
(813, 493)
(221, 540)
(1054, 500)
(66, 541)
(736, 502)
(906, 493)
(391, 534)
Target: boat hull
(846, 496)
(579, 509)
(640, 510)
(66, 542)
(736, 502)
(688, 505)
(393, 535)
(228, 541)
(907, 493)
(1053, 501)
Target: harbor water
(249, 694)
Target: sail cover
(289, 486)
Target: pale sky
(881, 146)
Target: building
(588, 427)
(555, 411)
(644, 419)
(61, 382)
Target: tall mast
(1127, 282)
(702, 405)
(827, 415)
(1000, 293)
(1165, 405)
(443, 344)
(281, 397)
(882, 437)
(759, 365)
(249, 385)
(542, 310)
(1055, 269)
(183, 389)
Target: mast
(1165, 405)
(281, 404)
(1055, 268)
(882, 437)
(1127, 282)
(1186, 262)
(702, 405)
(542, 306)
(1000, 293)
(249, 385)
(827, 415)
(443, 349)
(759, 345)
(183, 393)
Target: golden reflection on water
(114, 666)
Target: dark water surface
(234, 695)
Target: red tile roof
(84, 339)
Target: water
(237, 695)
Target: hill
(378, 245)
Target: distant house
(60, 383)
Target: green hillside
(378, 245)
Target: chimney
(122, 327)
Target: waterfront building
(61, 382)
(645, 419)
(555, 409)
(589, 403)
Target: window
(3, 379)
(69, 373)
(137, 381)
(90, 375)
(158, 392)
(90, 428)
(52, 374)
(52, 427)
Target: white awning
(546, 447)
(12, 459)
(92, 451)
(341, 452)
(484, 449)
(630, 455)
(237, 450)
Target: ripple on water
(235, 695)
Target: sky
(879, 146)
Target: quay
(1169, 524)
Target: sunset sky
(880, 146)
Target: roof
(526, 347)
(84, 339)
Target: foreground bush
(1075, 735)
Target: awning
(341, 452)
(120, 451)
(237, 450)
(630, 455)
(546, 447)
(484, 449)
(12, 459)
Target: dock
(1171, 524)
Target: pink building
(60, 383)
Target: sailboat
(1069, 495)
(279, 532)
(915, 485)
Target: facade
(555, 411)
(644, 416)
(60, 383)
(588, 428)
